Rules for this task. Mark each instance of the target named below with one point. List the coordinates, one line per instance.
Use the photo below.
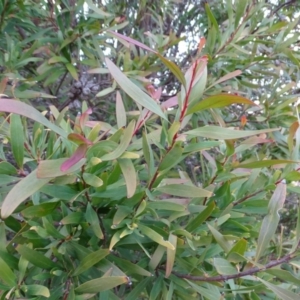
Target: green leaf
(217, 101)
(212, 294)
(165, 205)
(17, 139)
(265, 163)
(20, 108)
(101, 284)
(129, 174)
(73, 218)
(7, 168)
(221, 133)
(90, 260)
(197, 147)
(153, 235)
(92, 179)
(36, 258)
(6, 274)
(128, 132)
(132, 90)
(20, 192)
(224, 267)
(240, 9)
(284, 275)
(184, 191)
(174, 69)
(171, 253)
(139, 288)
(220, 239)
(271, 220)
(62, 192)
(172, 158)
(41, 210)
(35, 290)
(200, 218)
(239, 248)
(97, 10)
(280, 292)
(92, 217)
(130, 267)
(72, 70)
(120, 111)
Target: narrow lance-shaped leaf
(220, 133)
(271, 220)
(129, 174)
(153, 235)
(219, 238)
(20, 192)
(52, 168)
(184, 191)
(169, 64)
(280, 292)
(171, 253)
(226, 77)
(17, 139)
(6, 274)
(75, 158)
(200, 218)
(90, 260)
(101, 284)
(123, 145)
(92, 217)
(36, 290)
(265, 163)
(23, 109)
(132, 90)
(217, 101)
(36, 258)
(120, 111)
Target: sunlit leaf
(200, 218)
(21, 191)
(120, 111)
(90, 260)
(36, 258)
(129, 174)
(220, 133)
(132, 90)
(184, 191)
(153, 235)
(6, 274)
(224, 267)
(280, 292)
(217, 101)
(18, 107)
(265, 163)
(17, 139)
(171, 254)
(101, 284)
(123, 144)
(36, 290)
(271, 220)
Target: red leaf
(75, 158)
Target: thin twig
(251, 271)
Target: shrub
(93, 210)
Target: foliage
(170, 187)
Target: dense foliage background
(149, 149)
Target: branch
(271, 264)
(292, 2)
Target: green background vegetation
(149, 150)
